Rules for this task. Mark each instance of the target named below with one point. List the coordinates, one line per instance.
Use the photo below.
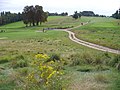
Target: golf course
(61, 54)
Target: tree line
(116, 14)
(31, 16)
(77, 15)
(34, 15)
(56, 14)
(8, 17)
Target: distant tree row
(77, 15)
(87, 13)
(97, 15)
(56, 14)
(116, 14)
(8, 17)
(91, 13)
(34, 15)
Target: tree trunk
(33, 23)
(30, 23)
(37, 23)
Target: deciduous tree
(34, 15)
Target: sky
(102, 7)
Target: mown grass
(82, 65)
(103, 31)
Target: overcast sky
(103, 7)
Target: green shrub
(54, 57)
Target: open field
(84, 68)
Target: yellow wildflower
(44, 56)
(51, 74)
(50, 68)
(47, 82)
(61, 73)
(44, 67)
(41, 69)
(42, 75)
(51, 62)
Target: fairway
(83, 68)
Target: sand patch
(3, 38)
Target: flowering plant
(46, 74)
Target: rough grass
(19, 48)
(103, 31)
(88, 80)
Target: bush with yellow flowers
(46, 75)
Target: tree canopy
(34, 15)
(76, 15)
(116, 14)
(8, 17)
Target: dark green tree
(79, 14)
(25, 14)
(44, 17)
(38, 14)
(116, 14)
(8, 17)
(34, 15)
(75, 15)
(31, 14)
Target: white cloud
(98, 6)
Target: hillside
(102, 31)
(82, 68)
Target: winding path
(88, 44)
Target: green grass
(82, 65)
(116, 81)
(91, 80)
(103, 31)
